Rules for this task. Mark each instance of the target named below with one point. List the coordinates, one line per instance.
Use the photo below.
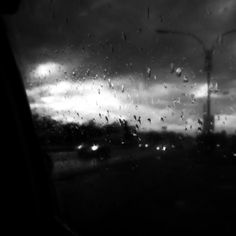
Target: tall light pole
(208, 125)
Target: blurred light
(94, 147)
(80, 146)
(46, 69)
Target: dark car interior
(28, 196)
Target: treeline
(52, 132)
(55, 133)
(217, 145)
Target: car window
(134, 101)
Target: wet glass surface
(134, 101)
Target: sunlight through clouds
(81, 102)
(106, 100)
(46, 69)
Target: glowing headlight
(80, 146)
(94, 147)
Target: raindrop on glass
(185, 79)
(172, 67)
(178, 71)
(123, 36)
(149, 71)
(122, 88)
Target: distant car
(93, 151)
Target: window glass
(134, 101)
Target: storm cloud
(117, 40)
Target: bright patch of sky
(177, 105)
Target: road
(145, 194)
(69, 163)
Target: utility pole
(208, 118)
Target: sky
(103, 60)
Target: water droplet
(149, 71)
(214, 88)
(200, 122)
(124, 36)
(178, 71)
(87, 72)
(172, 67)
(185, 79)
(139, 120)
(139, 30)
(122, 88)
(110, 83)
(148, 12)
(208, 12)
(161, 19)
(220, 39)
(112, 48)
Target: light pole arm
(229, 32)
(160, 31)
(219, 39)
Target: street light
(208, 58)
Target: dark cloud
(97, 26)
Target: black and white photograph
(119, 116)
